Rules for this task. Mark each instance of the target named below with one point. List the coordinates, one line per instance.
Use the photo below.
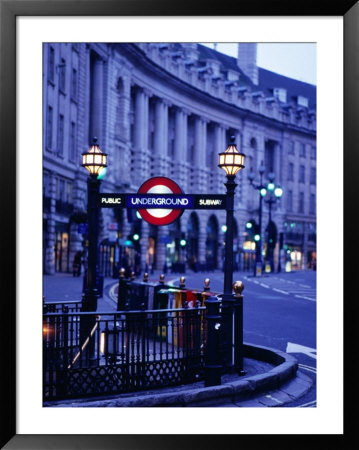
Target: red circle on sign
(153, 184)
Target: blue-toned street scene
(179, 226)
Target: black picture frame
(9, 10)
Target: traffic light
(257, 237)
(136, 237)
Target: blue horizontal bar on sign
(167, 201)
(152, 201)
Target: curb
(283, 375)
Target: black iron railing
(87, 354)
(62, 307)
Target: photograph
(175, 223)
(176, 176)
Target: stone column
(161, 135)
(181, 145)
(141, 132)
(180, 137)
(96, 102)
(122, 126)
(200, 134)
(220, 146)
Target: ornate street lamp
(262, 192)
(231, 161)
(94, 160)
(274, 192)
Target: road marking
(112, 293)
(297, 348)
(311, 404)
(306, 298)
(307, 368)
(274, 399)
(305, 285)
(280, 290)
(264, 285)
(287, 281)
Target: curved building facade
(168, 110)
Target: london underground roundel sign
(159, 216)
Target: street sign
(160, 201)
(160, 216)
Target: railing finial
(238, 287)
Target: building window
(302, 101)
(62, 75)
(313, 152)
(60, 189)
(72, 155)
(301, 202)
(290, 201)
(313, 176)
(302, 150)
(60, 136)
(68, 193)
(280, 94)
(74, 84)
(291, 148)
(312, 204)
(49, 127)
(301, 174)
(290, 172)
(51, 64)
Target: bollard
(162, 279)
(182, 284)
(205, 294)
(238, 287)
(206, 287)
(213, 367)
(145, 277)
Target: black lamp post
(275, 193)
(94, 160)
(258, 238)
(231, 161)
